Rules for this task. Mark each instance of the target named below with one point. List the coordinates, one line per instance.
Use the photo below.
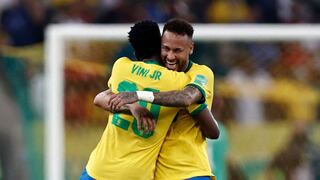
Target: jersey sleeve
(203, 80)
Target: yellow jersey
(184, 152)
(123, 151)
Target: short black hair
(179, 26)
(145, 38)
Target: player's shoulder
(122, 61)
(195, 67)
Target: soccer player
(184, 152)
(124, 152)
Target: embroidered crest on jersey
(201, 80)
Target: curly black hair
(179, 26)
(145, 38)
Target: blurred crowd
(268, 80)
(23, 21)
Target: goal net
(267, 83)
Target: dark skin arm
(208, 124)
(144, 118)
(189, 95)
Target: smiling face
(175, 50)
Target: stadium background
(266, 93)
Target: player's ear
(191, 48)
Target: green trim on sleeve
(189, 66)
(198, 110)
(202, 91)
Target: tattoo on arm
(184, 98)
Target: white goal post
(56, 35)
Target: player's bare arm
(179, 98)
(145, 121)
(208, 125)
(189, 95)
(102, 100)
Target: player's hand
(102, 100)
(145, 120)
(122, 98)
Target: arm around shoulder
(183, 98)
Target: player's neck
(153, 60)
(188, 66)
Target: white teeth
(171, 66)
(171, 63)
